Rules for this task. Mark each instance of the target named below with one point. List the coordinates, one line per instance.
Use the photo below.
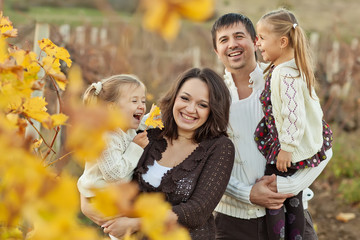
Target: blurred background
(106, 37)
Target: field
(128, 48)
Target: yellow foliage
(6, 27)
(28, 61)
(35, 108)
(154, 211)
(163, 16)
(55, 120)
(115, 199)
(54, 51)
(35, 203)
(154, 119)
(3, 50)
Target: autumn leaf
(28, 61)
(163, 16)
(88, 125)
(115, 199)
(3, 50)
(52, 67)
(55, 120)
(6, 27)
(345, 217)
(196, 10)
(35, 108)
(154, 119)
(36, 144)
(154, 211)
(54, 51)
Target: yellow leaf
(115, 199)
(75, 81)
(3, 50)
(6, 27)
(54, 51)
(35, 108)
(27, 60)
(59, 119)
(55, 120)
(164, 16)
(153, 210)
(47, 46)
(197, 10)
(171, 26)
(154, 119)
(64, 55)
(36, 143)
(52, 68)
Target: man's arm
(302, 178)
(259, 193)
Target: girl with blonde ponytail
(292, 135)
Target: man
(240, 213)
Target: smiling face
(269, 43)
(132, 104)
(234, 47)
(191, 107)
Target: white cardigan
(116, 163)
(298, 116)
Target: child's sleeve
(292, 111)
(118, 162)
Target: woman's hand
(283, 161)
(119, 227)
(141, 139)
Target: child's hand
(141, 139)
(283, 161)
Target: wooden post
(94, 36)
(103, 36)
(80, 38)
(314, 44)
(332, 61)
(42, 30)
(65, 33)
(196, 57)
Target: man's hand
(261, 193)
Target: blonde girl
(124, 147)
(292, 135)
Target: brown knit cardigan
(195, 186)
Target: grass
(344, 167)
(56, 15)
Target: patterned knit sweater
(298, 116)
(195, 186)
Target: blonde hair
(110, 90)
(285, 24)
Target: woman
(190, 161)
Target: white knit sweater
(116, 163)
(249, 163)
(298, 116)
